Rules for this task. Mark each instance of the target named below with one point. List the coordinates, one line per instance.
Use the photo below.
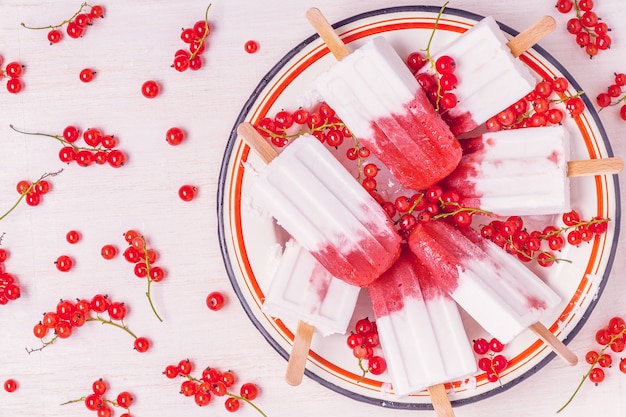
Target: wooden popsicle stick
(440, 400)
(557, 346)
(327, 33)
(257, 142)
(526, 39)
(299, 353)
(594, 167)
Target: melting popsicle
(304, 290)
(316, 200)
(420, 330)
(521, 171)
(493, 287)
(490, 78)
(375, 94)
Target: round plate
(250, 240)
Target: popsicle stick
(594, 167)
(440, 400)
(327, 33)
(557, 346)
(526, 39)
(299, 353)
(257, 142)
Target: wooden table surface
(136, 42)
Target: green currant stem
(148, 267)
(574, 226)
(429, 57)
(60, 139)
(238, 397)
(74, 401)
(206, 33)
(112, 323)
(82, 6)
(43, 345)
(28, 190)
(460, 209)
(363, 370)
(302, 132)
(622, 98)
(595, 362)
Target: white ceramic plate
(250, 238)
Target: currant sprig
(493, 363)
(614, 95)
(195, 38)
(96, 400)
(591, 33)
(363, 341)
(101, 148)
(9, 286)
(144, 259)
(31, 189)
(76, 25)
(69, 316)
(200, 42)
(612, 337)
(212, 383)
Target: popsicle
(420, 330)
(304, 290)
(521, 171)
(493, 287)
(490, 78)
(316, 200)
(378, 98)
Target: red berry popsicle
(376, 95)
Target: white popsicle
(490, 78)
(420, 328)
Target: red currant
(87, 75)
(251, 47)
(64, 263)
(10, 385)
(99, 387)
(215, 301)
(125, 399)
(377, 365)
(480, 346)
(108, 251)
(55, 36)
(150, 89)
(231, 404)
(72, 236)
(187, 192)
(249, 391)
(597, 375)
(141, 344)
(175, 135)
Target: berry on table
(215, 300)
(72, 236)
(187, 192)
(195, 40)
(150, 89)
(175, 136)
(86, 75)
(75, 26)
(64, 263)
(10, 385)
(251, 46)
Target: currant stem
(148, 267)
(429, 57)
(82, 6)
(43, 345)
(302, 132)
(574, 226)
(365, 371)
(112, 323)
(60, 139)
(230, 394)
(74, 401)
(28, 190)
(206, 33)
(595, 362)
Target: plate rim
(221, 193)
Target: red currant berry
(575, 106)
(564, 6)
(605, 360)
(480, 346)
(215, 301)
(99, 387)
(415, 61)
(251, 47)
(72, 236)
(64, 263)
(150, 89)
(445, 64)
(591, 357)
(377, 365)
(495, 345)
(87, 75)
(249, 391)
(187, 192)
(141, 344)
(232, 404)
(10, 385)
(55, 36)
(484, 364)
(175, 135)
(596, 376)
(622, 365)
(14, 85)
(125, 399)
(108, 251)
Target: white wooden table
(136, 42)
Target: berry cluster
(100, 147)
(493, 362)
(70, 315)
(514, 238)
(194, 37)
(591, 33)
(33, 192)
(615, 95)
(143, 258)
(13, 71)
(363, 340)
(538, 108)
(96, 400)
(611, 338)
(439, 84)
(9, 287)
(212, 383)
(75, 26)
